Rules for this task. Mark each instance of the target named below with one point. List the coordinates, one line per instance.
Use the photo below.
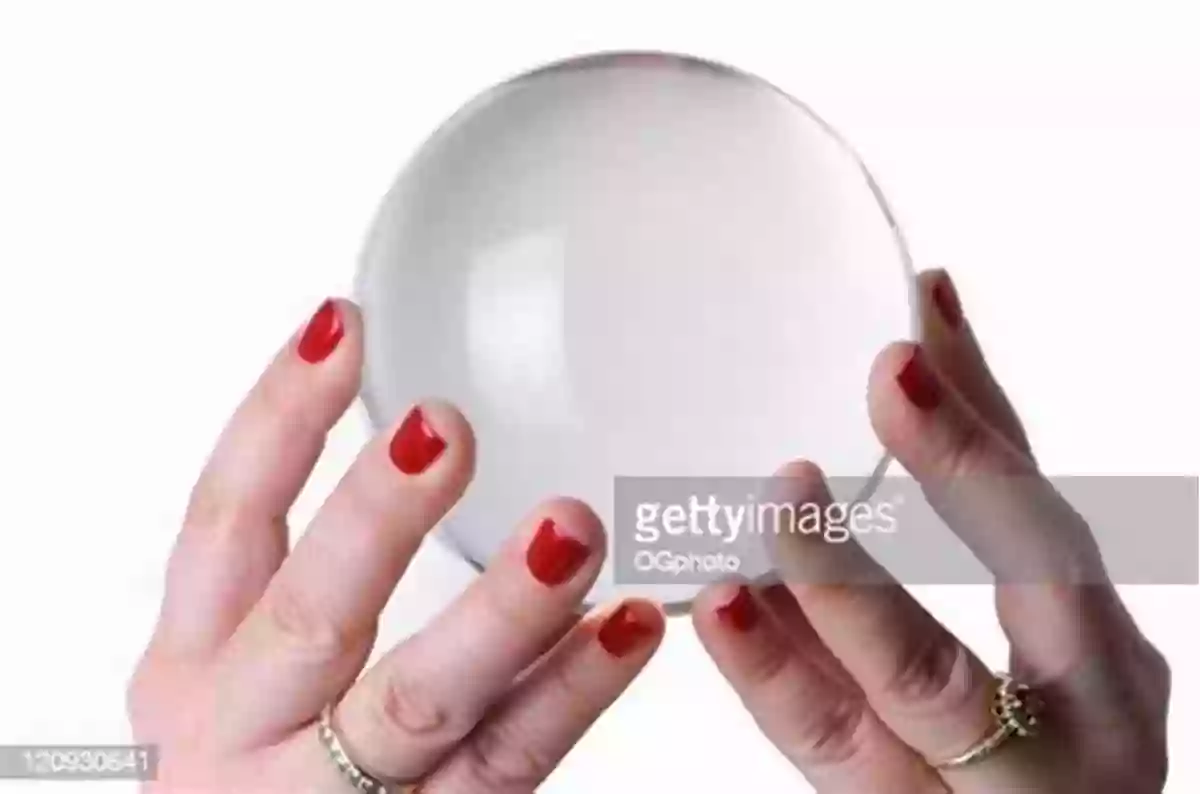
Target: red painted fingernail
(740, 613)
(416, 445)
(623, 631)
(553, 557)
(919, 383)
(322, 334)
(945, 298)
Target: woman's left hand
(865, 691)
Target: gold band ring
(1016, 709)
(358, 778)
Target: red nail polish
(741, 612)
(416, 445)
(553, 557)
(322, 334)
(945, 298)
(622, 632)
(919, 383)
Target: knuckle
(384, 516)
(409, 710)
(154, 701)
(211, 513)
(832, 736)
(822, 720)
(506, 608)
(397, 727)
(766, 667)
(221, 517)
(278, 406)
(574, 704)
(301, 624)
(965, 451)
(501, 757)
(932, 673)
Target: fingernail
(322, 334)
(554, 557)
(623, 631)
(919, 383)
(945, 298)
(416, 445)
(740, 613)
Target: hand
(864, 691)
(253, 641)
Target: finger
(517, 746)
(995, 500)
(925, 685)
(781, 603)
(308, 637)
(234, 535)
(986, 490)
(950, 341)
(955, 353)
(821, 723)
(426, 694)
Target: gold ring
(358, 778)
(1016, 708)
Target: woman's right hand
(253, 642)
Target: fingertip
(942, 306)
(331, 336)
(714, 606)
(736, 629)
(888, 364)
(930, 276)
(800, 481)
(647, 613)
(928, 425)
(634, 625)
(575, 518)
(939, 297)
(894, 414)
(350, 313)
(801, 470)
(561, 544)
(650, 613)
(435, 437)
(450, 423)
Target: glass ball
(632, 265)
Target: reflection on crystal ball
(632, 265)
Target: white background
(181, 185)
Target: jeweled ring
(1016, 709)
(355, 775)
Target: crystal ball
(632, 265)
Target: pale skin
(856, 684)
